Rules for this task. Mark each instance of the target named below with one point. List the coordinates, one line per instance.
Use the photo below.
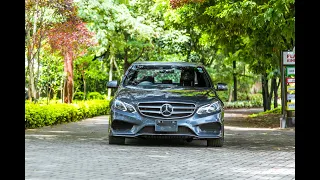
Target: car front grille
(167, 136)
(151, 130)
(175, 109)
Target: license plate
(166, 126)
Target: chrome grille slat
(181, 112)
(150, 107)
(148, 111)
(179, 109)
(184, 108)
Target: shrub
(78, 96)
(243, 96)
(223, 95)
(272, 111)
(255, 97)
(38, 115)
(242, 104)
(94, 95)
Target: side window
(202, 79)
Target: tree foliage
(217, 33)
(69, 37)
(254, 32)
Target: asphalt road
(80, 151)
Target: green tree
(69, 38)
(253, 31)
(40, 15)
(116, 29)
(51, 72)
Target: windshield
(151, 75)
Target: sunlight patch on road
(229, 134)
(122, 149)
(157, 156)
(135, 173)
(60, 131)
(40, 135)
(234, 115)
(102, 123)
(262, 171)
(247, 129)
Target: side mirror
(112, 84)
(222, 87)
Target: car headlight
(210, 108)
(124, 106)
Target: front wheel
(215, 142)
(116, 140)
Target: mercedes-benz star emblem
(166, 110)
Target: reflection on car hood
(134, 95)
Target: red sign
(290, 80)
(289, 58)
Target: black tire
(116, 140)
(215, 142)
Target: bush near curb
(39, 115)
(272, 111)
(94, 95)
(243, 104)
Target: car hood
(194, 95)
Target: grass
(267, 119)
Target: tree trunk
(230, 95)
(110, 74)
(275, 93)
(118, 70)
(68, 68)
(65, 87)
(234, 82)
(48, 94)
(126, 63)
(276, 96)
(38, 51)
(30, 56)
(264, 99)
(62, 89)
(265, 93)
(32, 89)
(84, 88)
(54, 94)
(273, 86)
(126, 49)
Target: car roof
(166, 63)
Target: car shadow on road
(253, 139)
(165, 142)
(94, 130)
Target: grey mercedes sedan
(167, 100)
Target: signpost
(288, 86)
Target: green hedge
(243, 104)
(39, 115)
(272, 111)
(94, 95)
(78, 96)
(224, 96)
(89, 96)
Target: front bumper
(126, 124)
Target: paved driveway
(80, 150)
